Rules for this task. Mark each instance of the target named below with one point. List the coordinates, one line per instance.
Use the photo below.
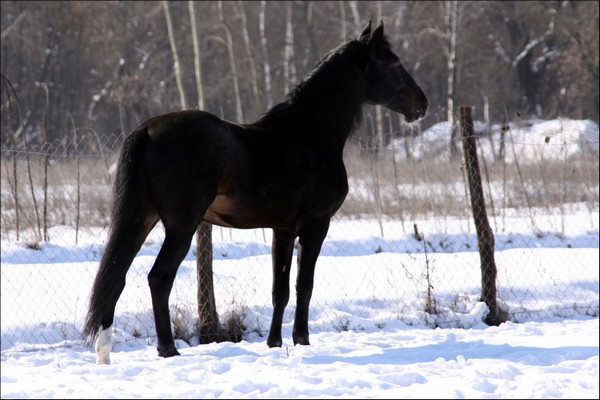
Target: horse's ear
(366, 32)
(376, 35)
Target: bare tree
(176, 64)
(311, 54)
(107, 64)
(343, 30)
(248, 53)
(289, 68)
(577, 67)
(356, 16)
(197, 57)
(266, 62)
(452, 15)
(527, 49)
(232, 64)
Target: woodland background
(104, 67)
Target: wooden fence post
(485, 235)
(208, 328)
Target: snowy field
(371, 336)
(547, 359)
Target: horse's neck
(327, 106)
(336, 117)
(335, 96)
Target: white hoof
(104, 346)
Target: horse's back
(185, 128)
(186, 137)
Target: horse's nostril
(420, 112)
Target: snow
(526, 140)
(550, 359)
(370, 335)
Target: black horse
(284, 171)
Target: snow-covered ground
(545, 359)
(371, 336)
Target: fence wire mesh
(403, 246)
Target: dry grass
(69, 200)
(379, 187)
(411, 189)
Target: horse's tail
(130, 206)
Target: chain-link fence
(402, 247)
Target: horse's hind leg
(123, 244)
(173, 251)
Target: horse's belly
(253, 212)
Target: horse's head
(388, 83)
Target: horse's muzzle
(415, 114)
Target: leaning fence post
(208, 318)
(485, 235)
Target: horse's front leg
(310, 240)
(283, 248)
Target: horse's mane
(331, 95)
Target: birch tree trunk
(249, 56)
(451, 24)
(452, 32)
(356, 16)
(312, 54)
(343, 32)
(197, 57)
(399, 21)
(289, 68)
(263, 43)
(234, 73)
(176, 67)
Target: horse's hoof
(302, 340)
(274, 343)
(169, 352)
